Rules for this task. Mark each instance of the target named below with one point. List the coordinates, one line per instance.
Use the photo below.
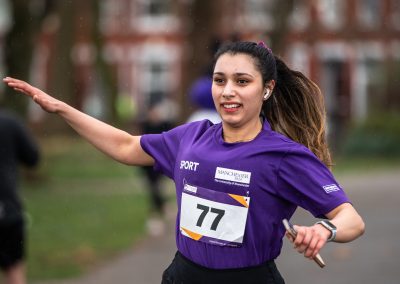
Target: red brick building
(351, 48)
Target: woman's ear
(269, 87)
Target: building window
(332, 13)
(259, 14)
(153, 16)
(394, 74)
(369, 84)
(369, 13)
(299, 56)
(111, 16)
(156, 75)
(376, 85)
(299, 18)
(5, 20)
(157, 7)
(336, 89)
(395, 13)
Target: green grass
(355, 165)
(82, 209)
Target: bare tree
(19, 46)
(103, 69)
(281, 12)
(201, 19)
(61, 74)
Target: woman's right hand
(46, 102)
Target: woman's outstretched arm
(117, 144)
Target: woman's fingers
(311, 247)
(309, 241)
(318, 247)
(301, 234)
(19, 90)
(303, 246)
(290, 237)
(19, 85)
(45, 101)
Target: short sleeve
(164, 148)
(305, 181)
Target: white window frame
(300, 17)
(332, 13)
(258, 14)
(364, 51)
(395, 14)
(144, 22)
(111, 16)
(299, 57)
(369, 17)
(148, 54)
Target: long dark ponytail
(296, 107)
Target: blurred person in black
(16, 147)
(161, 116)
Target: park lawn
(356, 165)
(82, 209)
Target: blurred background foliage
(377, 136)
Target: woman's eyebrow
(235, 74)
(218, 73)
(243, 74)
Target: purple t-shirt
(244, 189)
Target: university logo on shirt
(232, 176)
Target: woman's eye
(242, 81)
(218, 80)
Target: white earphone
(266, 95)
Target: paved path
(374, 258)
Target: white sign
(202, 219)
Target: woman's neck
(241, 134)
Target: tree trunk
(61, 77)
(202, 22)
(281, 14)
(18, 48)
(104, 70)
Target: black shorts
(184, 271)
(12, 244)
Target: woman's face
(237, 89)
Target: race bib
(213, 217)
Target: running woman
(236, 180)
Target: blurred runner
(16, 147)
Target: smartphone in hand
(293, 233)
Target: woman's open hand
(45, 101)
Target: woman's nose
(228, 90)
